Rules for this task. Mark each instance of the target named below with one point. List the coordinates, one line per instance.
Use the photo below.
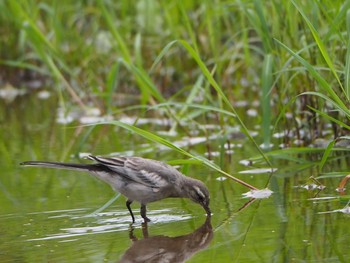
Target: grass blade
(323, 83)
(266, 100)
(347, 58)
(221, 94)
(155, 138)
(326, 153)
(320, 45)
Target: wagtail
(139, 179)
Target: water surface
(47, 215)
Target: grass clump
(291, 58)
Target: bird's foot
(146, 219)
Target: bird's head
(199, 193)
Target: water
(47, 215)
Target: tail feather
(67, 166)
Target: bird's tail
(57, 165)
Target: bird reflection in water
(168, 249)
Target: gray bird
(139, 179)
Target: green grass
(291, 56)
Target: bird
(139, 179)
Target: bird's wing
(147, 172)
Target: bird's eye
(200, 194)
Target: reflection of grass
(292, 56)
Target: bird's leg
(143, 213)
(128, 203)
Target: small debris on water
(221, 178)
(258, 194)
(245, 162)
(44, 94)
(311, 187)
(345, 210)
(259, 171)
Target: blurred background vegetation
(285, 62)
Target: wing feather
(143, 171)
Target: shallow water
(48, 215)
